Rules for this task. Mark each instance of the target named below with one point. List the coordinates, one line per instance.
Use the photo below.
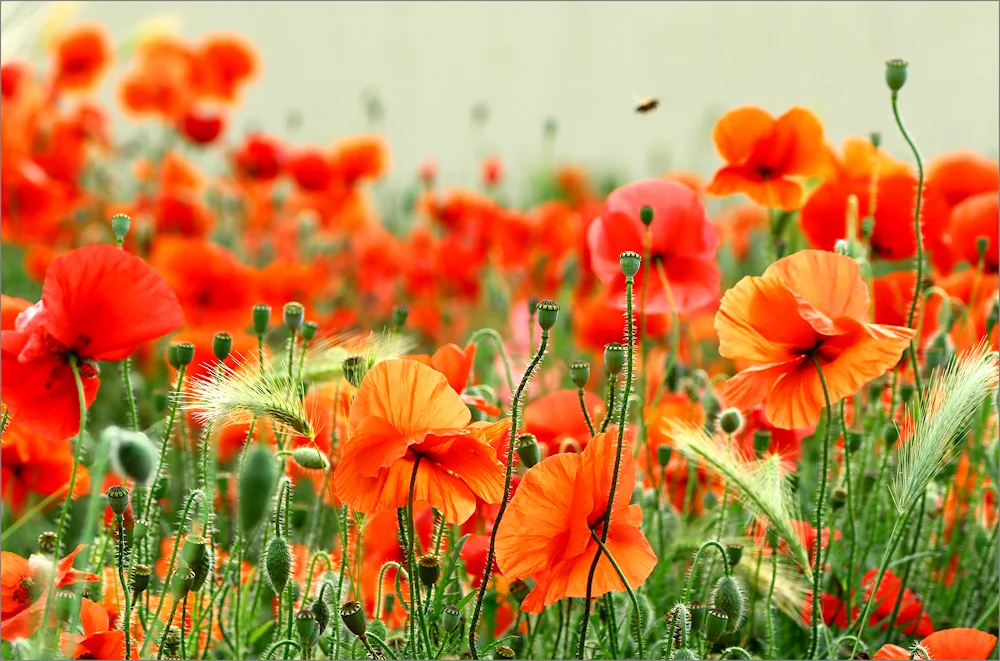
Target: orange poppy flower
(159, 79)
(99, 640)
(967, 182)
(360, 157)
(405, 416)
(763, 153)
(31, 464)
(557, 418)
(736, 226)
(223, 64)
(10, 307)
(812, 304)
(596, 323)
(893, 295)
(456, 365)
(912, 618)
(560, 503)
(692, 180)
(967, 644)
(81, 56)
(682, 244)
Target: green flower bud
(683, 653)
(890, 434)
(761, 441)
(257, 480)
(839, 498)
(429, 569)
(355, 369)
(47, 543)
(451, 619)
(377, 628)
(875, 138)
(614, 358)
(278, 563)
(202, 569)
(579, 373)
(731, 420)
(139, 530)
(311, 458)
(261, 318)
(663, 454)
(646, 215)
(853, 440)
(735, 553)
(305, 626)
(309, 330)
(132, 455)
(400, 314)
(867, 227)
(503, 652)
(895, 74)
(193, 550)
(528, 451)
(728, 598)
(354, 618)
(772, 537)
(180, 354)
(717, 624)
(630, 262)
(139, 580)
(117, 499)
(548, 312)
(172, 639)
(679, 620)
(120, 225)
(293, 314)
(321, 613)
(532, 305)
(222, 345)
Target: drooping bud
(532, 306)
(202, 569)
(663, 454)
(321, 612)
(528, 451)
(895, 74)
(257, 480)
(614, 358)
(309, 330)
(311, 458)
(731, 420)
(222, 345)
(139, 580)
(853, 440)
(579, 373)
(278, 563)
(761, 441)
(354, 618)
(646, 215)
(772, 537)
(180, 354)
(293, 314)
(261, 318)
(120, 225)
(400, 314)
(630, 262)
(683, 653)
(139, 530)
(132, 454)
(548, 312)
(429, 569)
(875, 138)
(890, 434)
(451, 619)
(867, 227)
(728, 598)
(117, 499)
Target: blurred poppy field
(260, 402)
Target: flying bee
(646, 104)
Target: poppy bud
(396, 643)
(906, 391)
(180, 354)
(222, 345)
(875, 138)
(853, 441)
(772, 537)
(711, 404)
(261, 318)
(728, 598)
(630, 262)
(548, 312)
(311, 458)
(717, 624)
(699, 615)
(646, 215)
(202, 569)
(293, 314)
(579, 373)
(867, 227)
(993, 316)
(780, 248)
(839, 498)
(257, 479)
(890, 434)
(139, 530)
(761, 441)
(734, 552)
(679, 620)
(527, 450)
(139, 580)
(519, 589)
(305, 625)
(532, 305)
(117, 499)
(683, 653)
(614, 358)
(429, 569)
(182, 581)
(309, 330)
(868, 482)
(321, 613)
(451, 619)
(663, 454)
(400, 313)
(355, 368)
(503, 652)
(875, 390)
(895, 74)
(354, 618)
(194, 550)
(132, 455)
(939, 353)
(731, 420)
(171, 639)
(120, 225)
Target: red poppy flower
(82, 55)
(763, 153)
(912, 617)
(310, 169)
(34, 464)
(359, 157)
(201, 127)
(968, 183)
(260, 158)
(99, 640)
(224, 63)
(682, 251)
(893, 294)
(556, 418)
(98, 303)
(965, 644)
(492, 171)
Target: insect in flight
(646, 104)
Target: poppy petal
(738, 130)
(959, 644)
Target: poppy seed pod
(120, 225)
(400, 314)
(429, 569)
(630, 262)
(614, 358)
(890, 434)
(305, 625)
(139, 580)
(132, 455)
(895, 74)
(527, 450)
(838, 498)
(117, 499)
(716, 625)
(548, 312)
(182, 581)
(579, 373)
(139, 530)
(503, 652)
(180, 354)
(222, 345)
(853, 440)
(353, 616)
(293, 314)
(734, 552)
(731, 420)
(257, 479)
(311, 458)
(646, 215)
(728, 598)
(261, 318)
(193, 551)
(47, 543)
(309, 330)
(451, 619)
(699, 615)
(663, 454)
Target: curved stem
(609, 413)
(623, 415)
(694, 565)
(514, 414)
(411, 562)
(495, 336)
(282, 643)
(862, 621)
(770, 605)
(818, 561)
(166, 629)
(120, 520)
(129, 395)
(628, 588)
(586, 415)
(735, 650)
(905, 578)
(175, 401)
(64, 513)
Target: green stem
(498, 341)
(586, 415)
(850, 510)
(129, 396)
(166, 630)
(623, 415)
(417, 624)
(770, 604)
(175, 401)
(694, 565)
(64, 514)
(818, 562)
(735, 650)
(286, 643)
(862, 621)
(610, 412)
(120, 520)
(514, 415)
(905, 578)
(628, 588)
